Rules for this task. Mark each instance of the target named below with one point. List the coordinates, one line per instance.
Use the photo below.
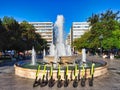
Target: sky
(47, 10)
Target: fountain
(59, 51)
(83, 58)
(59, 43)
(44, 54)
(83, 55)
(33, 57)
(58, 47)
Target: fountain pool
(24, 69)
(59, 52)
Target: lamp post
(101, 38)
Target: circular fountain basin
(30, 73)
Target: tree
(2, 33)
(109, 15)
(27, 34)
(93, 19)
(19, 37)
(82, 42)
(12, 34)
(30, 37)
(105, 24)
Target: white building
(45, 29)
(78, 29)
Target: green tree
(105, 24)
(82, 42)
(30, 37)
(2, 33)
(12, 34)
(28, 34)
(109, 15)
(93, 19)
(19, 37)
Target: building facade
(45, 29)
(78, 29)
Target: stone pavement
(109, 81)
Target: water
(59, 48)
(83, 58)
(33, 57)
(83, 55)
(52, 49)
(44, 54)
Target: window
(86, 27)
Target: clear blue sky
(47, 10)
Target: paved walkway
(110, 81)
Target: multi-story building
(45, 29)
(78, 29)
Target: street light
(101, 38)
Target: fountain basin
(31, 73)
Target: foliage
(105, 24)
(19, 37)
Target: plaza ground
(109, 81)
